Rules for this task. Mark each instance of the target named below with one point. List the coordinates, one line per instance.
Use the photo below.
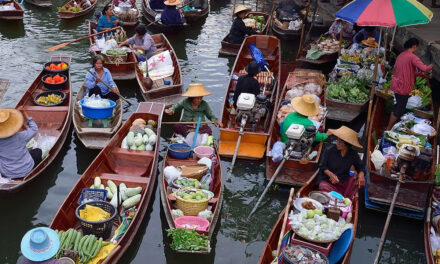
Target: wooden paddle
(111, 88)
(79, 39)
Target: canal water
(235, 240)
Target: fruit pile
(51, 99)
(57, 67)
(192, 195)
(55, 79)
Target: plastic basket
(97, 112)
(88, 195)
(187, 221)
(63, 97)
(179, 150)
(99, 229)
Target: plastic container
(97, 112)
(64, 72)
(54, 86)
(101, 228)
(187, 222)
(63, 97)
(203, 152)
(92, 194)
(179, 150)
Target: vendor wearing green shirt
(305, 107)
(193, 107)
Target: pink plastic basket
(203, 152)
(192, 222)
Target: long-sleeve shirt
(146, 42)
(157, 4)
(336, 27)
(405, 72)
(192, 115)
(364, 35)
(104, 23)
(171, 16)
(15, 159)
(106, 77)
(334, 162)
(239, 31)
(246, 84)
(296, 118)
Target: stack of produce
(51, 99)
(351, 57)
(57, 67)
(73, 9)
(422, 90)
(185, 239)
(327, 45)
(347, 89)
(129, 196)
(192, 195)
(96, 102)
(125, 12)
(120, 36)
(256, 22)
(141, 136)
(303, 88)
(55, 79)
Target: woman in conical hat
(170, 15)
(238, 29)
(15, 159)
(336, 168)
(193, 107)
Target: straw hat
(347, 134)
(196, 90)
(40, 244)
(172, 2)
(11, 121)
(370, 42)
(305, 105)
(240, 8)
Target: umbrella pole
(341, 34)
(302, 30)
(392, 39)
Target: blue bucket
(97, 112)
(179, 150)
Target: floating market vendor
(365, 33)
(335, 29)
(287, 10)
(157, 4)
(39, 245)
(96, 86)
(16, 161)
(334, 172)
(247, 83)
(404, 77)
(239, 30)
(170, 15)
(193, 107)
(108, 20)
(141, 41)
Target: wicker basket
(116, 59)
(194, 171)
(191, 207)
(423, 114)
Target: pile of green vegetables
(116, 52)
(259, 20)
(128, 196)
(423, 89)
(185, 239)
(347, 89)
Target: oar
(186, 123)
(234, 157)
(111, 88)
(79, 39)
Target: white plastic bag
(206, 161)
(45, 143)
(176, 213)
(423, 129)
(414, 101)
(205, 181)
(171, 173)
(378, 159)
(435, 240)
(109, 44)
(207, 214)
(190, 137)
(277, 151)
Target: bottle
(351, 173)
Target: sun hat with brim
(241, 8)
(172, 2)
(370, 42)
(305, 105)
(253, 68)
(40, 244)
(196, 90)
(347, 134)
(11, 121)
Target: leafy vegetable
(185, 239)
(347, 89)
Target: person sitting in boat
(141, 41)
(157, 4)
(170, 15)
(39, 245)
(287, 10)
(335, 170)
(108, 20)
(16, 161)
(305, 107)
(96, 86)
(337, 26)
(193, 107)
(247, 83)
(239, 30)
(365, 33)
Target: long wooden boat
(427, 225)
(40, 3)
(196, 16)
(16, 14)
(51, 121)
(126, 22)
(288, 34)
(132, 167)
(413, 194)
(167, 94)
(293, 172)
(229, 49)
(253, 144)
(95, 137)
(150, 15)
(120, 71)
(215, 204)
(70, 15)
(272, 242)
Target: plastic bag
(207, 214)
(277, 151)
(190, 138)
(292, 93)
(378, 159)
(45, 143)
(390, 152)
(176, 213)
(206, 181)
(204, 139)
(109, 44)
(423, 129)
(414, 101)
(171, 173)
(206, 161)
(435, 240)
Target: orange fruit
(48, 79)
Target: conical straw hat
(11, 121)
(347, 134)
(172, 2)
(196, 90)
(305, 105)
(240, 8)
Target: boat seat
(31, 108)
(124, 178)
(130, 162)
(267, 58)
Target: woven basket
(409, 131)
(191, 207)
(116, 59)
(194, 171)
(422, 114)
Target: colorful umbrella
(385, 13)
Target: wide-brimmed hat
(40, 244)
(370, 42)
(253, 68)
(241, 8)
(172, 2)
(196, 90)
(347, 134)
(11, 121)
(305, 105)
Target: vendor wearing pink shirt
(404, 78)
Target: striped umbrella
(385, 13)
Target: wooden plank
(340, 114)
(4, 85)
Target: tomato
(47, 68)
(61, 79)
(48, 79)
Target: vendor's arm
(324, 167)
(417, 62)
(116, 21)
(128, 42)
(31, 131)
(174, 108)
(320, 136)
(359, 167)
(90, 82)
(209, 114)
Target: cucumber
(132, 201)
(112, 186)
(122, 189)
(109, 193)
(97, 182)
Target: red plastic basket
(190, 222)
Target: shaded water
(235, 240)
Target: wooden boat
(150, 15)
(284, 33)
(324, 59)
(70, 15)
(293, 172)
(52, 121)
(229, 49)
(127, 23)
(253, 144)
(272, 242)
(120, 71)
(40, 3)
(215, 204)
(413, 195)
(133, 167)
(95, 134)
(16, 14)
(167, 94)
(196, 16)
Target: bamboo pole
(341, 35)
(313, 19)
(233, 8)
(302, 31)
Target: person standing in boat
(337, 26)
(170, 15)
(193, 107)
(335, 172)
(141, 41)
(366, 33)
(108, 20)
(157, 4)
(239, 30)
(247, 83)
(96, 86)
(287, 10)
(16, 161)
(404, 77)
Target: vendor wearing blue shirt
(365, 33)
(108, 20)
(170, 15)
(96, 86)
